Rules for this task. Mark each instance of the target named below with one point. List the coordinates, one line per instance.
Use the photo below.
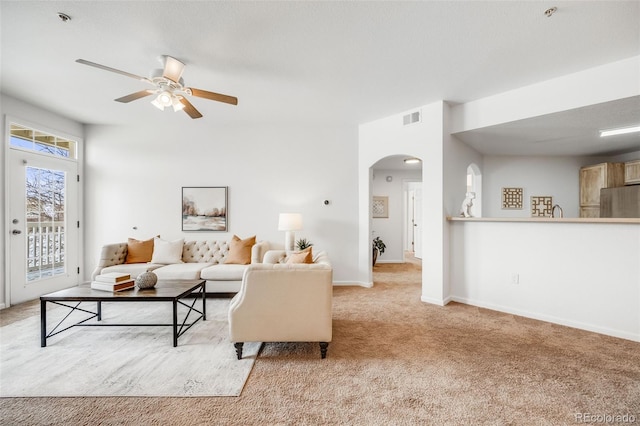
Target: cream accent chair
(284, 303)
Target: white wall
(621, 158)
(581, 275)
(558, 94)
(458, 157)
(558, 177)
(550, 176)
(391, 230)
(41, 119)
(134, 176)
(425, 140)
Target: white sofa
(201, 260)
(283, 303)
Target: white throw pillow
(167, 252)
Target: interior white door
(417, 215)
(43, 214)
(410, 220)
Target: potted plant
(303, 243)
(378, 248)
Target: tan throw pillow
(139, 251)
(240, 250)
(302, 256)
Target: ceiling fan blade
(173, 69)
(134, 96)
(214, 96)
(106, 68)
(190, 109)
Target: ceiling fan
(169, 89)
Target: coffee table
(174, 291)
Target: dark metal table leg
(175, 323)
(99, 310)
(43, 323)
(204, 303)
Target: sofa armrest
(111, 254)
(274, 256)
(258, 251)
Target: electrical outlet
(515, 278)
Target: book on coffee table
(125, 285)
(113, 277)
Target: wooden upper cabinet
(593, 179)
(632, 172)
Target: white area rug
(124, 361)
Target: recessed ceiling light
(411, 160)
(622, 131)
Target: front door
(43, 223)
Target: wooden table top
(163, 290)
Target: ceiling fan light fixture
(169, 89)
(165, 98)
(177, 105)
(157, 104)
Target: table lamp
(289, 222)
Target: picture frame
(204, 208)
(512, 198)
(541, 206)
(380, 207)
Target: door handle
(16, 232)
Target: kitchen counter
(546, 219)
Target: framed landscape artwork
(204, 208)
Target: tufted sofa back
(192, 252)
(211, 251)
(205, 251)
(113, 254)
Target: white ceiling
(322, 63)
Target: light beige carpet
(124, 361)
(395, 360)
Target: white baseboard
(352, 283)
(439, 302)
(549, 318)
(2, 306)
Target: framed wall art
(204, 208)
(380, 207)
(541, 206)
(512, 198)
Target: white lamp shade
(290, 222)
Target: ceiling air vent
(414, 117)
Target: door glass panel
(45, 219)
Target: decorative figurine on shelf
(465, 209)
